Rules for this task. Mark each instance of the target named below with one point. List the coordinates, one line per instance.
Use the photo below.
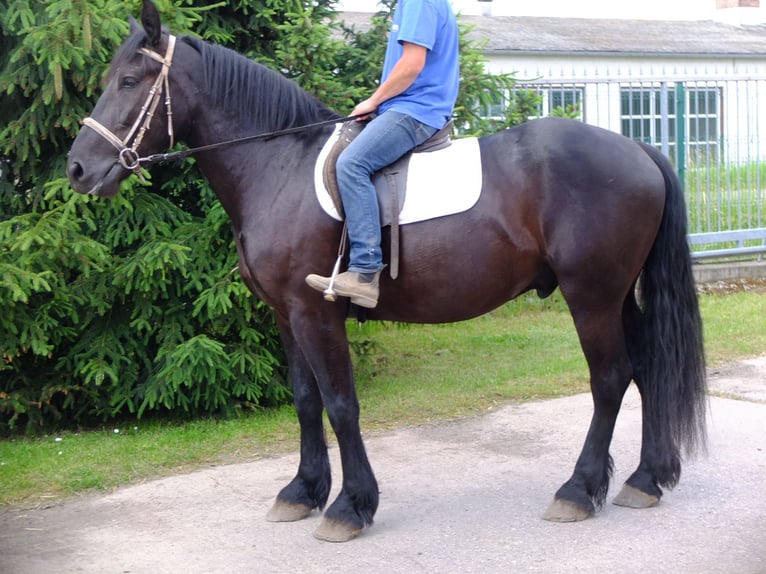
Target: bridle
(128, 152)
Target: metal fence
(713, 130)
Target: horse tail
(671, 364)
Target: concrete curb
(713, 272)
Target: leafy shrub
(128, 305)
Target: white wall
(742, 83)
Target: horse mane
(240, 85)
(245, 87)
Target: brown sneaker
(361, 287)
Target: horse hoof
(566, 511)
(631, 497)
(287, 512)
(335, 531)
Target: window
(566, 100)
(649, 114)
(704, 121)
(537, 102)
(495, 110)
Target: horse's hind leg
(642, 490)
(311, 486)
(603, 342)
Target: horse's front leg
(328, 353)
(310, 488)
(325, 361)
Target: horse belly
(457, 267)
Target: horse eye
(128, 82)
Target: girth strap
(394, 256)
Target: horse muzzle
(83, 181)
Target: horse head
(106, 150)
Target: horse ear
(150, 18)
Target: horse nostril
(75, 171)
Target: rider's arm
(401, 77)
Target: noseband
(128, 154)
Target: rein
(180, 154)
(128, 153)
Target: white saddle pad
(439, 183)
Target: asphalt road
(457, 497)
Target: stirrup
(329, 293)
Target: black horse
(562, 204)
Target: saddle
(390, 182)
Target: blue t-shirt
(432, 24)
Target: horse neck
(260, 178)
(241, 98)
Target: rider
(415, 99)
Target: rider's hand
(364, 109)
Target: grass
(38, 470)
(725, 197)
(525, 350)
(734, 325)
(406, 374)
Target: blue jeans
(383, 141)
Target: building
(694, 88)
(641, 77)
